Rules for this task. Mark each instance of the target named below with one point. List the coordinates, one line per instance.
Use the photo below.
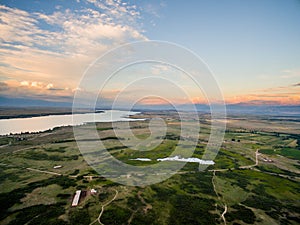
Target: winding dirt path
(223, 214)
(224, 203)
(256, 161)
(147, 206)
(102, 209)
(222, 170)
(44, 171)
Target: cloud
(287, 74)
(3, 87)
(49, 86)
(60, 54)
(285, 95)
(118, 10)
(34, 90)
(160, 68)
(154, 9)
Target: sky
(251, 47)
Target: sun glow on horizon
(46, 48)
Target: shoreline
(32, 115)
(15, 126)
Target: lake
(42, 123)
(177, 158)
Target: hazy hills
(252, 107)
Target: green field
(32, 191)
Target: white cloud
(58, 57)
(290, 74)
(24, 83)
(119, 11)
(49, 86)
(160, 68)
(35, 90)
(153, 8)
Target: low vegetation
(266, 193)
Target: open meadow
(255, 178)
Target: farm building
(76, 198)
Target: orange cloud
(34, 89)
(289, 95)
(61, 57)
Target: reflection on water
(42, 123)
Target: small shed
(57, 167)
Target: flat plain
(255, 178)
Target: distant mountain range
(244, 108)
(251, 107)
(241, 108)
(28, 102)
(257, 103)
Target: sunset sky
(252, 47)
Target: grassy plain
(33, 192)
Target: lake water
(42, 123)
(177, 158)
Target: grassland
(33, 192)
